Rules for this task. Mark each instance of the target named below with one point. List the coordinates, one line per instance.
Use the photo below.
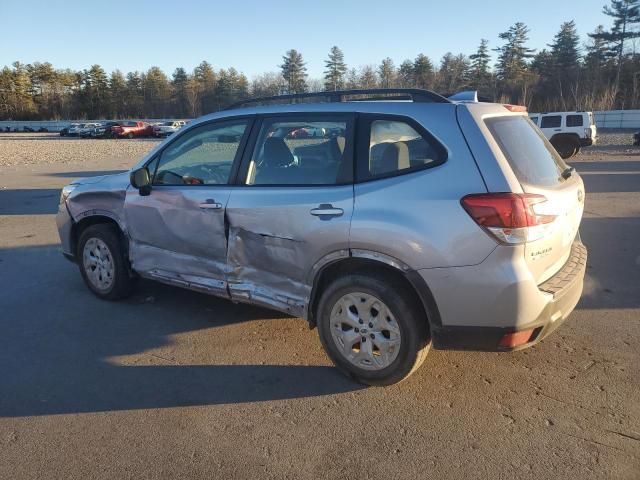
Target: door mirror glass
(141, 179)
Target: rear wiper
(568, 172)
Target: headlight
(66, 191)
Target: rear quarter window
(532, 158)
(574, 121)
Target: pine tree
(179, 84)
(452, 75)
(367, 78)
(423, 74)
(206, 79)
(335, 70)
(294, 71)
(405, 74)
(625, 14)
(564, 49)
(513, 55)
(387, 73)
(479, 70)
(117, 95)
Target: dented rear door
(291, 208)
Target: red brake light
(507, 215)
(515, 108)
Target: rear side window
(391, 146)
(308, 150)
(533, 159)
(574, 121)
(551, 121)
(534, 120)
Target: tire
(566, 147)
(129, 135)
(388, 299)
(113, 282)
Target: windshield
(532, 158)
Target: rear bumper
(559, 296)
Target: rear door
(540, 170)
(291, 207)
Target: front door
(291, 207)
(178, 231)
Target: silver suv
(391, 224)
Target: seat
(276, 163)
(394, 157)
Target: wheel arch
(372, 262)
(565, 136)
(89, 220)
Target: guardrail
(617, 119)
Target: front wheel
(102, 262)
(372, 329)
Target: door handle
(210, 204)
(326, 209)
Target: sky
(253, 35)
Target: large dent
(267, 269)
(102, 195)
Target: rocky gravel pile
(43, 149)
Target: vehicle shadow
(29, 201)
(82, 174)
(58, 345)
(613, 269)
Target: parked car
(104, 130)
(636, 138)
(74, 129)
(132, 129)
(425, 222)
(87, 130)
(65, 130)
(567, 131)
(167, 128)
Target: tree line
(602, 74)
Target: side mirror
(141, 179)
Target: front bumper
(64, 223)
(561, 292)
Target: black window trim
(251, 121)
(363, 132)
(578, 115)
(545, 117)
(348, 155)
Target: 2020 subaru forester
(391, 220)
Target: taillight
(510, 217)
(515, 108)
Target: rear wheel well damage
(409, 281)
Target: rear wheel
(372, 329)
(102, 262)
(129, 135)
(565, 146)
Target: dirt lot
(175, 384)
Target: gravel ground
(176, 384)
(47, 148)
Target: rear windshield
(532, 158)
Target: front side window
(574, 121)
(395, 146)
(551, 121)
(202, 156)
(304, 151)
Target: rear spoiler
(471, 96)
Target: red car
(132, 129)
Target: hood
(111, 181)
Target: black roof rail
(369, 94)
